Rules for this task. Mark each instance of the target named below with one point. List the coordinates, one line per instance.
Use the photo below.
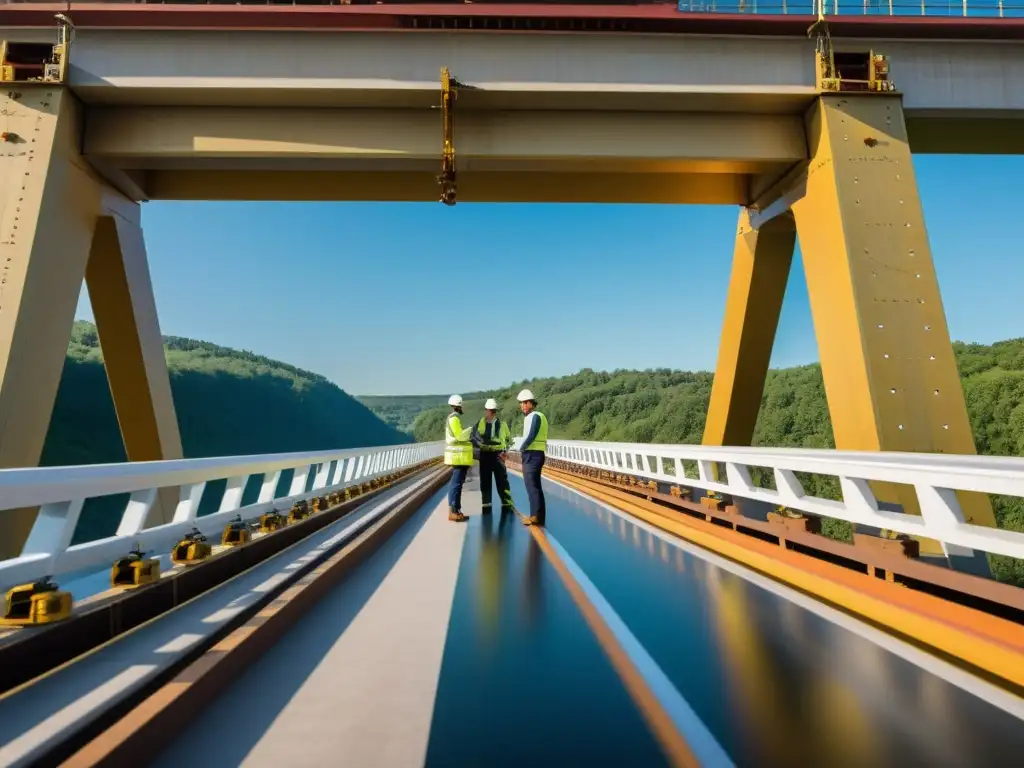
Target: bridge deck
(649, 18)
(71, 697)
(776, 678)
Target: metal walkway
(460, 645)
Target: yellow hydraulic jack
(134, 570)
(299, 512)
(38, 603)
(848, 70)
(38, 62)
(447, 180)
(235, 533)
(193, 548)
(712, 500)
(272, 521)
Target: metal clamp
(447, 180)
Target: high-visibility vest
(500, 436)
(540, 442)
(458, 451)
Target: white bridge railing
(934, 477)
(60, 493)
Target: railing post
(53, 530)
(339, 472)
(943, 515)
(322, 476)
(189, 497)
(136, 511)
(232, 498)
(299, 480)
(268, 490)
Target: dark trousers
(455, 487)
(533, 463)
(490, 465)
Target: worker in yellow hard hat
(458, 454)
(492, 437)
(533, 446)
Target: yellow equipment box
(38, 603)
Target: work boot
(532, 520)
(456, 516)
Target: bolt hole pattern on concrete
(60, 493)
(934, 478)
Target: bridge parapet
(61, 492)
(833, 8)
(936, 479)
(828, 8)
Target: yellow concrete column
(760, 270)
(56, 221)
(890, 374)
(123, 304)
(48, 208)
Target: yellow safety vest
(498, 442)
(458, 451)
(540, 442)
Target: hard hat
(491, 404)
(525, 395)
(455, 400)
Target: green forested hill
(664, 406)
(228, 403)
(400, 411)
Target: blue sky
(420, 298)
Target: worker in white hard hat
(492, 437)
(458, 454)
(533, 447)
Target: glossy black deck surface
(776, 684)
(523, 681)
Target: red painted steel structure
(651, 18)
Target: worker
(492, 437)
(458, 454)
(533, 446)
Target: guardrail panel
(936, 479)
(61, 492)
